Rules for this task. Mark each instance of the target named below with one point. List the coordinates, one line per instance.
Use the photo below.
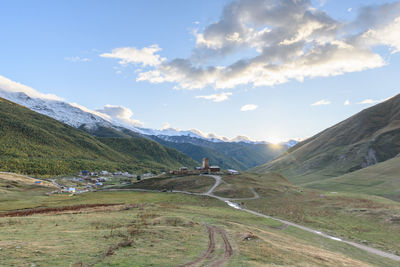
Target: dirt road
(209, 253)
(231, 203)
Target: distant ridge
(369, 137)
(238, 153)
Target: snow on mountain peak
(110, 116)
(59, 110)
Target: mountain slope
(236, 155)
(36, 144)
(198, 152)
(59, 110)
(382, 179)
(369, 137)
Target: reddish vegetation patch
(29, 212)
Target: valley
(226, 133)
(137, 226)
(336, 196)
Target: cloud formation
(249, 107)
(15, 87)
(77, 59)
(369, 102)
(321, 102)
(131, 55)
(119, 114)
(271, 42)
(216, 97)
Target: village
(86, 181)
(204, 169)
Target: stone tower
(206, 163)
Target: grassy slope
(36, 144)
(359, 217)
(382, 179)
(149, 153)
(165, 230)
(348, 146)
(197, 184)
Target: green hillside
(369, 137)
(198, 152)
(36, 144)
(382, 179)
(227, 155)
(155, 156)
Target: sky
(269, 70)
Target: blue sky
(56, 47)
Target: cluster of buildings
(86, 173)
(204, 169)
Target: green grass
(165, 230)
(363, 218)
(195, 183)
(32, 143)
(381, 179)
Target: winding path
(229, 201)
(378, 252)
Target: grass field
(160, 229)
(364, 218)
(155, 229)
(382, 179)
(197, 184)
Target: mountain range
(77, 116)
(237, 153)
(67, 137)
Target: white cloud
(347, 102)
(146, 56)
(248, 107)
(110, 113)
(289, 40)
(388, 35)
(216, 97)
(369, 101)
(15, 87)
(321, 102)
(119, 114)
(349, 9)
(77, 59)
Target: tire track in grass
(208, 252)
(212, 230)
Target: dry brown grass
(24, 179)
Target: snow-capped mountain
(169, 132)
(79, 116)
(59, 110)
